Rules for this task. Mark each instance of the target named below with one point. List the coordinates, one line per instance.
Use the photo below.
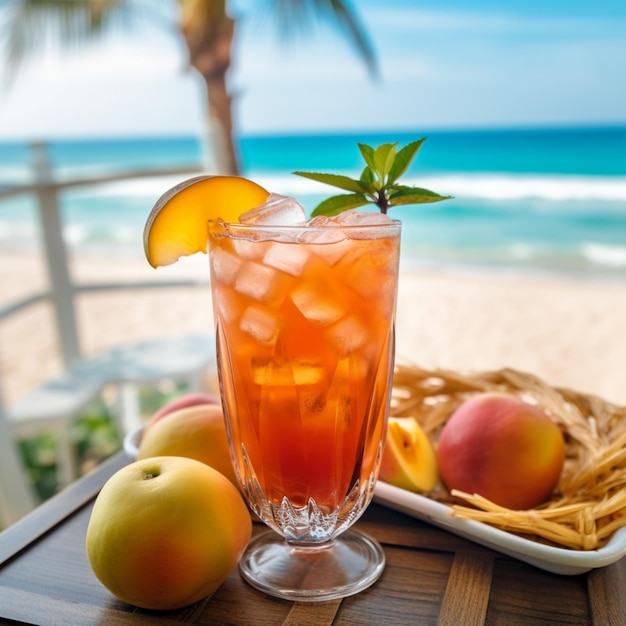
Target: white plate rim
(549, 558)
(131, 441)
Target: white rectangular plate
(551, 559)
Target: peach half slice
(409, 460)
(177, 224)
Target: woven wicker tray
(589, 505)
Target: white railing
(55, 403)
(62, 291)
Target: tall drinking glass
(305, 345)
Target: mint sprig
(378, 182)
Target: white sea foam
(14, 174)
(490, 186)
(514, 187)
(585, 218)
(75, 234)
(478, 185)
(522, 251)
(603, 254)
(151, 187)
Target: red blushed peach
(503, 449)
(187, 400)
(196, 432)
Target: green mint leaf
(371, 185)
(368, 179)
(384, 156)
(403, 159)
(338, 204)
(335, 180)
(367, 152)
(377, 183)
(413, 195)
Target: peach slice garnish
(177, 224)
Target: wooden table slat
(607, 594)
(30, 607)
(313, 614)
(55, 510)
(431, 577)
(467, 594)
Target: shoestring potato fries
(589, 503)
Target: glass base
(336, 569)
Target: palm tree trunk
(210, 54)
(221, 124)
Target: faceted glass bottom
(342, 567)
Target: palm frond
(31, 24)
(303, 14)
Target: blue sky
(443, 64)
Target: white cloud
(439, 68)
(133, 84)
(117, 57)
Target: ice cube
(259, 323)
(332, 253)
(289, 258)
(381, 254)
(305, 373)
(374, 284)
(276, 211)
(362, 218)
(330, 240)
(285, 373)
(247, 249)
(353, 367)
(321, 221)
(267, 373)
(323, 230)
(225, 308)
(317, 306)
(256, 281)
(353, 219)
(225, 265)
(347, 335)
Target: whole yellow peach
(166, 532)
(196, 432)
(408, 460)
(503, 449)
(186, 400)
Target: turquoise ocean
(527, 200)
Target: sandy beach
(568, 332)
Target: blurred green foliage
(95, 436)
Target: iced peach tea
(305, 332)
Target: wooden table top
(431, 577)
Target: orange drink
(305, 333)
(304, 318)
